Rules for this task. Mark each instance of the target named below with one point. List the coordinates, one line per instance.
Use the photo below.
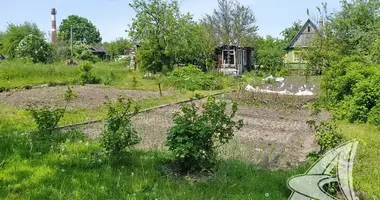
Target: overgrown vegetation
(86, 76)
(327, 135)
(195, 136)
(119, 133)
(192, 78)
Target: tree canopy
(166, 36)
(83, 30)
(34, 48)
(14, 34)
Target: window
(231, 57)
(308, 29)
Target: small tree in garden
(195, 135)
(327, 136)
(119, 133)
(47, 120)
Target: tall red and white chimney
(53, 26)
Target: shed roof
(98, 48)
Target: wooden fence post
(159, 87)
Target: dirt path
(88, 96)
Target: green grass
(17, 73)
(366, 167)
(75, 170)
(20, 120)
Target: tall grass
(16, 73)
(19, 73)
(366, 167)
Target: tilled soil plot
(88, 96)
(270, 138)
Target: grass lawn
(75, 170)
(367, 164)
(20, 74)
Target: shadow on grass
(78, 170)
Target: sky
(112, 17)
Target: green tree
(14, 34)
(357, 26)
(34, 48)
(162, 31)
(117, 47)
(270, 53)
(83, 30)
(291, 32)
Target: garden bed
(88, 96)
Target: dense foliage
(82, 51)
(83, 30)
(270, 54)
(167, 37)
(195, 136)
(117, 47)
(13, 35)
(34, 48)
(192, 78)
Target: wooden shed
(234, 59)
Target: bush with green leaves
(352, 89)
(119, 133)
(47, 120)
(13, 35)
(197, 133)
(327, 135)
(34, 48)
(86, 76)
(82, 51)
(192, 78)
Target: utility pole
(71, 41)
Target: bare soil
(270, 138)
(88, 96)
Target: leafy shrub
(82, 51)
(374, 115)
(352, 89)
(327, 135)
(34, 48)
(13, 35)
(195, 136)
(86, 76)
(192, 78)
(46, 120)
(119, 133)
(283, 72)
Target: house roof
(98, 48)
(294, 40)
(233, 46)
